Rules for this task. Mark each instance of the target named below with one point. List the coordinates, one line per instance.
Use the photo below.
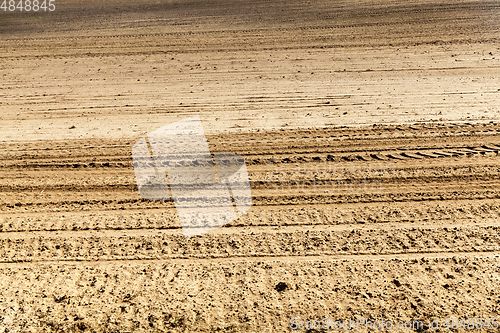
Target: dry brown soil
(371, 134)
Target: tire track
(253, 242)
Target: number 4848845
(28, 5)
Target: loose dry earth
(371, 134)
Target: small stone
(282, 286)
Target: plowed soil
(371, 135)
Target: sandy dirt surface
(371, 135)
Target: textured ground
(371, 134)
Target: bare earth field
(371, 135)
